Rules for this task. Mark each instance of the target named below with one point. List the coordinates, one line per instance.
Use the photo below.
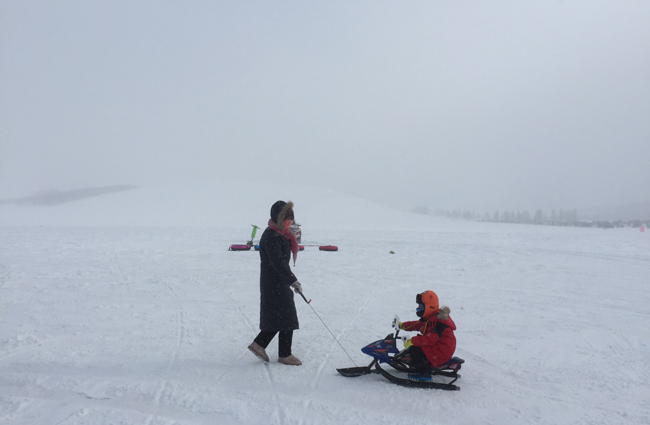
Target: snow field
(149, 325)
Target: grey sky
(484, 104)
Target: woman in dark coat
(277, 308)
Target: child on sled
(435, 344)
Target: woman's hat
(281, 211)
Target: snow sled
(328, 248)
(239, 248)
(400, 360)
(248, 245)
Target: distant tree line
(559, 217)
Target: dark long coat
(277, 307)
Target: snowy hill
(127, 308)
(226, 204)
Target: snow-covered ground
(128, 309)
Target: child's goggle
(418, 298)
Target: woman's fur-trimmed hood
(280, 211)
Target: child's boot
(420, 377)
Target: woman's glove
(297, 287)
(407, 343)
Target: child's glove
(407, 343)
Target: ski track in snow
(327, 359)
(181, 334)
(277, 412)
(130, 325)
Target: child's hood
(443, 316)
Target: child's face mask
(420, 310)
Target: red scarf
(290, 236)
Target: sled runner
(381, 351)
